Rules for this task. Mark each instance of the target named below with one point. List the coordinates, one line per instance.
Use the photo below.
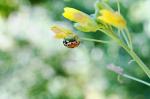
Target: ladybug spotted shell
(71, 42)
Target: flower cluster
(105, 20)
(86, 23)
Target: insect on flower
(71, 41)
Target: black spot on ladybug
(71, 42)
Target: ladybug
(71, 41)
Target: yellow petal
(112, 18)
(86, 23)
(75, 15)
(60, 36)
(60, 32)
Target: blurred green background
(34, 65)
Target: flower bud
(60, 32)
(75, 15)
(112, 18)
(85, 22)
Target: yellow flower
(85, 22)
(60, 32)
(112, 18)
(75, 15)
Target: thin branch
(129, 37)
(136, 79)
(118, 6)
(120, 71)
(95, 40)
(126, 38)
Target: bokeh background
(34, 65)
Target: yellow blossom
(85, 22)
(75, 15)
(112, 18)
(60, 32)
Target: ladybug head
(71, 41)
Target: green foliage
(7, 7)
(30, 70)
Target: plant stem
(135, 79)
(130, 51)
(126, 39)
(89, 39)
(120, 71)
(129, 37)
(137, 59)
(118, 6)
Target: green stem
(89, 39)
(129, 37)
(120, 71)
(131, 52)
(118, 6)
(137, 59)
(126, 39)
(136, 79)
